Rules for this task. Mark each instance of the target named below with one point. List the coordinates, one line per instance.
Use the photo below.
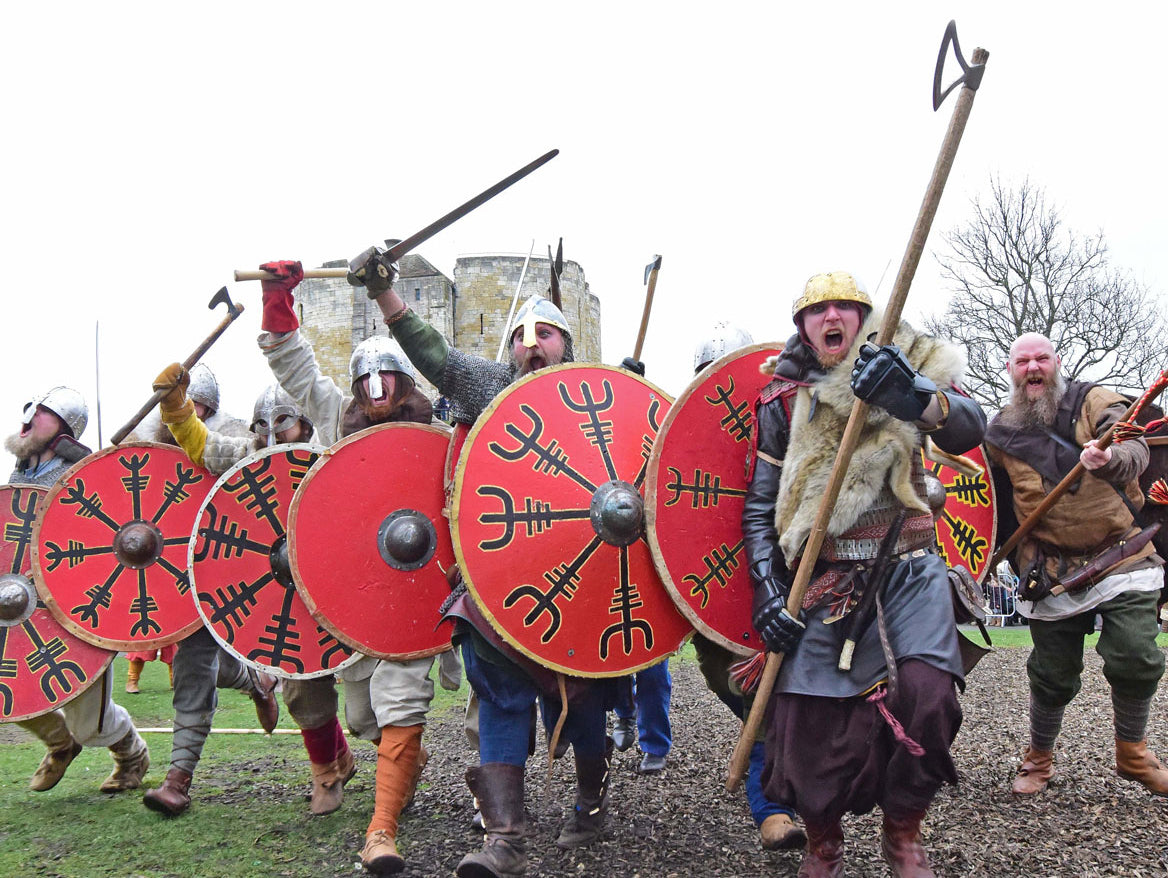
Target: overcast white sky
(152, 148)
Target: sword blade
(403, 247)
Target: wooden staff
(651, 280)
(908, 266)
(242, 274)
(1076, 472)
(233, 311)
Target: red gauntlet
(278, 313)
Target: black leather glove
(883, 377)
(634, 366)
(779, 630)
(373, 270)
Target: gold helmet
(835, 286)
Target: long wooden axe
(397, 250)
(233, 311)
(651, 282)
(1157, 387)
(970, 79)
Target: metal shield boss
(240, 571)
(370, 545)
(967, 526)
(42, 664)
(548, 521)
(109, 552)
(695, 494)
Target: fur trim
(883, 454)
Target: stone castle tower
(470, 311)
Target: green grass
(1016, 637)
(249, 818)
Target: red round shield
(695, 493)
(241, 574)
(42, 665)
(548, 521)
(370, 545)
(453, 454)
(109, 551)
(968, 525)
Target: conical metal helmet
(204, 388)
(276, 411)
(535, 310)
(66, 403)
(378, 354)
(724, 337)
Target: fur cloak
(884, 454)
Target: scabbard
(1099, 566)
(865, 609)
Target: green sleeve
(424, 345)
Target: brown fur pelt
(882, 457)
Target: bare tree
(1014, 268)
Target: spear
(970, 80)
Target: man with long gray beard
(46, 446)
(1051, 425)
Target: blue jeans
(652, 689)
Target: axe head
(653, 266)
(222, 297)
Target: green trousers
(1132, 663)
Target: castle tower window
(417, 294)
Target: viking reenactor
(879, 734)
(775, 821)
(504, 681)
(201, 667)
(1087, 556)
(385, 701)
(46, 446)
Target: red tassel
(748, 672)
(1158, 493)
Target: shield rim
(40, 492)
(683, 606)
(456, 495)
(312, 448)
(43, 590)
(293, 553)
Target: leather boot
(900, 842)
(499, 790)
(779, 833)
(1134, 761)
(133, 675)
(587, 820)
(624, 732)
(173, 797)
(62, 750)
(824, 855)
(380, 856)
(131, 761)
(1035, 772)
(263, 693)
(328, 783)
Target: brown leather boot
(779, 833)
(1134, 761)
(586, 822)
(824, 855)
(131, 761)
(499, 790)
(62, 748)
(173, 797)
(133, 675)
(380, 855)
(900, 842)
(263, 693)
(1035, 772)
(328, 783)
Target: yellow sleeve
(192, 437)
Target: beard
(1028, 414)
(25, 447)
(828, 361)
